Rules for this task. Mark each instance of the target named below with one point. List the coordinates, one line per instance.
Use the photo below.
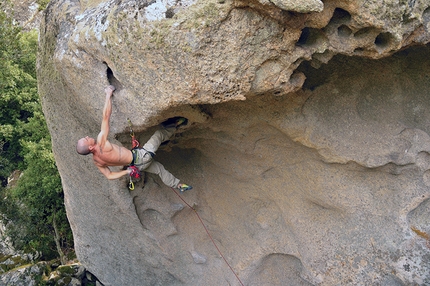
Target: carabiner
(131, 185)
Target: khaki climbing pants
(145, 162)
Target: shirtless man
(106, 154)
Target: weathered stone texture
(308, 144)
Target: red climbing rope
(207, 231)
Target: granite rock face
(307, 145)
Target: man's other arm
(112, 175)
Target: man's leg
(167, 178)
(159, 137)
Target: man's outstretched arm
(107, 111)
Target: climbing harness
(207, 231)
(135, 172)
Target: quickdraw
(134, 144)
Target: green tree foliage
(41, 197)
(32, 209)
(18, 90)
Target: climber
(106, 154)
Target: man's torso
(112, 155)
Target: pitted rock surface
(307, 144)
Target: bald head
(83, 146)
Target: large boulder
(307, 143)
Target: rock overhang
(199, 50)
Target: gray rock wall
(307, 144)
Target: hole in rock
(344, 31)
(340, 16)
(383, 40)
(111, 77)
(314, 78)
(309, 37)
